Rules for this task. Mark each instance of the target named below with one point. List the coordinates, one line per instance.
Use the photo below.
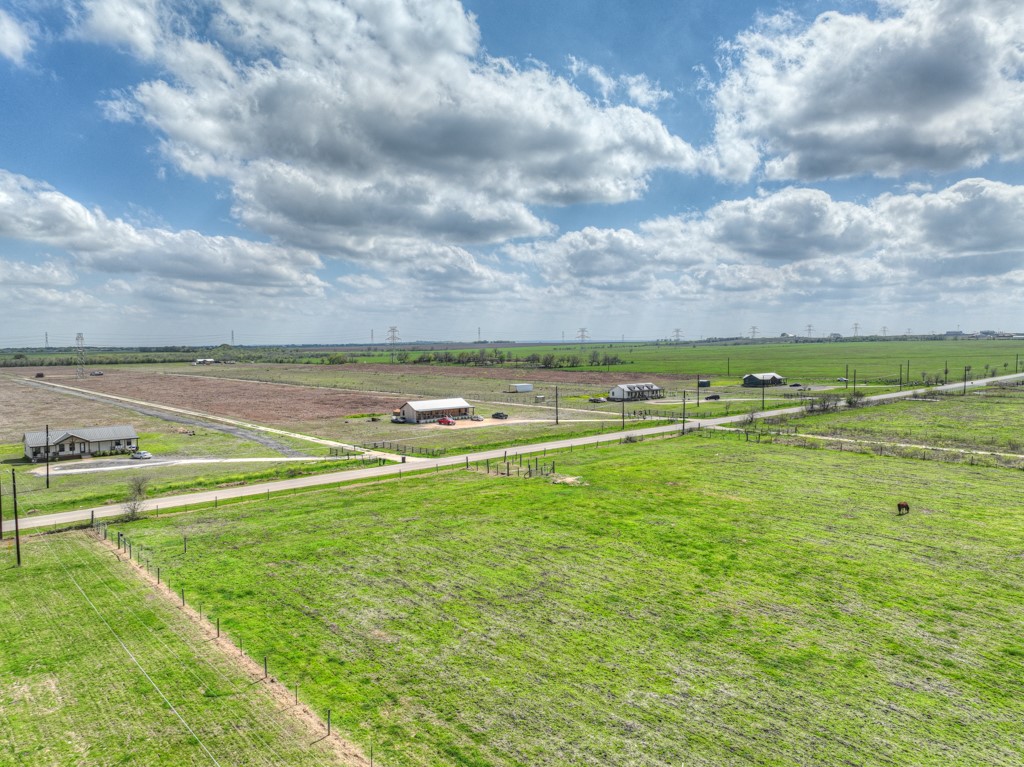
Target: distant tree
(548, 361)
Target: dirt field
(29, 408)
(246, 400)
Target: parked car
(446, 421)
(713, 396)
(499, 416)
(96, 373)
(842, 380)
(476, 418)
(398, 419)
(142, 454)
(795, 385)
(598, 399)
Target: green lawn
(701, 601)
(96, 669)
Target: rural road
(393, 470)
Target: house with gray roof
(631, 392)
(80, 442)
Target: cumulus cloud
(35, 212)
(338, 121)
(926, 84)
(798, 243)
(638, 89)
(15, 38)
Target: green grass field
(699, 601)
(96, 669)
(990, 419)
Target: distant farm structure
(763, 379)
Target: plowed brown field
(246, 400)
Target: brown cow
(902, 507)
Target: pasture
(697, 600)
(98, 669)
(990, 419)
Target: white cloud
(338, 122)
(48, 273)
(639, 89)
(35, 212)
(799, 244)
(15, 38)
(927, 84)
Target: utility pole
(676, 335)
(884, 329)
(556, 406)
(581, 336)
(17, 535)
(393, 339)
(753, 331)
(846, 378)
(47, 456)
(901, 376)
(810, 330)
(232, 338)
(856, 328)
(80, 355)
(47, 341)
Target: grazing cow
(902, 507)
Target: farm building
(629, 392)
(429, 410)
(80, 442)
(763, 379)
(519, 388)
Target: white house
(429, 410)
(80, 442)
(630, 392)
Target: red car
(446, 421)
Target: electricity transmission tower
(677, 335)
(885, 330)
(810, 330)
(393, 339)
(581, 336)
(80, 355)
(753, 331)
(856, 327)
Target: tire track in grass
(133, 658)
(267, 722)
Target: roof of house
(437, 404)
(763, 376)
(637, 386)
(85, 433)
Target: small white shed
(519, 388)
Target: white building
(630, 392)
(430, 410)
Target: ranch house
(430, 410)
(630, 392)
(80, 442)
(763, 379)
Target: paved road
(393, 470)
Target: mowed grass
(989, 419)
(96, 669)
(699, 601)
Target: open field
(245, 400)
(97, 669)
(818, 361)
(699, 601)
(989, 419)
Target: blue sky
(318, 171)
